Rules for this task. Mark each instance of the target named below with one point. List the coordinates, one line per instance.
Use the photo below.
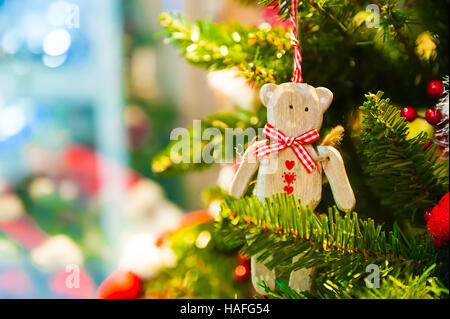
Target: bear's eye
(291, 107)
(306, 109)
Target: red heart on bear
(289, 178)
(289, 164)
(288, 189)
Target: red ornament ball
(120, 285)
(433, 116)
(437, 222)
(241, 273)
(409, 113)
(435, 88)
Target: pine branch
(213, 193)
(328, 30)
(412, 53)
(202, 270)
(164, 164)
(259, 54)
(422, 286)
(339, 247)
(405, 177)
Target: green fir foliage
(393, 176)
(424, 286)
(166, 165)
(260, 55)
(204, 268)
(405, 177)
(340, 247)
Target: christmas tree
(386, 65)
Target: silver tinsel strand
(442, 131)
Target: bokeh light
(12, 121)
(34, 29)
(57, 42)
(12, 41)
(54, 61)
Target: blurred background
(89, 92)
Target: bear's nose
(291, 106)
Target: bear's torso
(282, 172)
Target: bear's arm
(337, 177)
(247, 169)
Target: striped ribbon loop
(297, 76)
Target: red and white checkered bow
(296, 143)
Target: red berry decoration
(409, 113)
(437, 222)
(243, 260)
(433, 116)
(241, 273)
(120, 285)
(435, 88)
(427, 214)
(427, 146)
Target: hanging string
(297, 77)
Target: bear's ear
(267, 92)
(325, 98)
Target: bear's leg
(260, 274)
(300, 279)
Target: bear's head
(295, 108)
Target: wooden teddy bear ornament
(289, 164)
